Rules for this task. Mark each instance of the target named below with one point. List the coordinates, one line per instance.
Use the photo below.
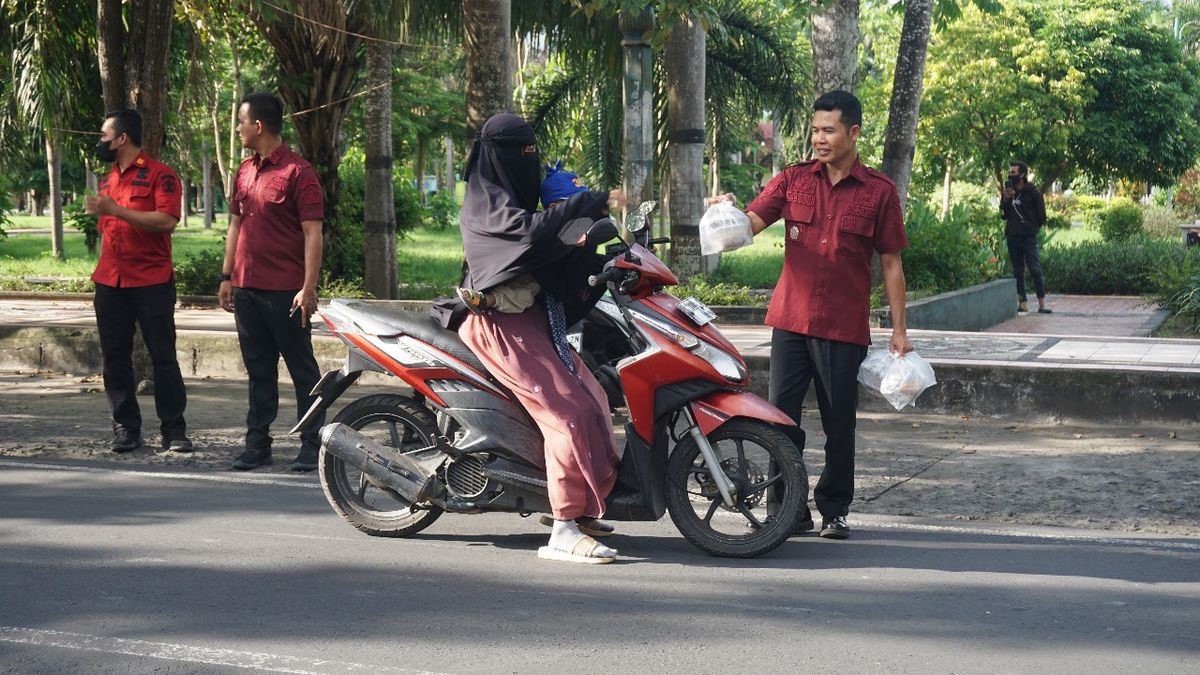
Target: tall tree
(317, 47)
(132, 52)
(904, 109)
(47, 87)
(487, 36)
(835, 46)
(685, 65)
(379, 221)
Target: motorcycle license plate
(697, 311)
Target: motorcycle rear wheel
(395, 421)
(756, 456)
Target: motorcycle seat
(419, 325)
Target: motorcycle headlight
(723, 363)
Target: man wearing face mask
(138, 205)
(1022, 207)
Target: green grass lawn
(1066, 238)
(26, 255)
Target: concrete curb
(1003, 389)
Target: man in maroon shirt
(138, 206)
(269, 279)
(838, 214)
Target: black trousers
(152, 308)
(1023, 252)
(266, 332)
(796, 361)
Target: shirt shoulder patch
(310, 194)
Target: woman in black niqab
(503, 239)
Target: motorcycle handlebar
(610, 274)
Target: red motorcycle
(697, 444)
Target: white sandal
(582, 552)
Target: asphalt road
(150, 571)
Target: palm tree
(900, 140)
(487, 37)
(48, 83)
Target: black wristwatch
(224, 277)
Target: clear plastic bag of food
(724, 227)
(898, 379)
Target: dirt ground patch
(1124, 478)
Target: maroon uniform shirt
(272, 197)
(832, 231)
(132, 257)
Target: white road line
(275, 663)
(160, 474)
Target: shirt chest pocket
(855, 234)
(141, 197)
(798, 219)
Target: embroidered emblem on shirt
(794, 233)
(866, 201)
(311, 194)
(143, 173)
(277, 183)
(168, 184)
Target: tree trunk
(419, 167)
(685, 124)
(901, 139)
(835, 46)
(379, 212)
(451, 184)
(147, 75)
(318, 70)
(637, 85)
(54, 169)
(947, 181)
(208, 188)
(487, 38)
(186, 205)
(776, 144)
(714, 164)
(110, 52)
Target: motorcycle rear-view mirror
(636, 220)
(601, 231)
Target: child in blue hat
(559, 185)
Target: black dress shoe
(126, 441)
(305, 461)
(182, 444)
(252, 458)
(835, 528)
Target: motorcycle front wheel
(763, 465)
(395, 421)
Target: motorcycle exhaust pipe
(383, 464)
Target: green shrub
(965, 194)
(1087, 209)
(1161, 222)
(711, 293)
(1121, 221)
(197, 274)
(441, 209)
(1057, 221)
(960, 251)
(1178, 290)
(1187, 195)
(1112, 268)
(87, 223)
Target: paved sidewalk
(1055, 347)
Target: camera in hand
(1012, 181)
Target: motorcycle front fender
(716, 408)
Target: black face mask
(104, 153)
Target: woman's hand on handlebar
(616, 199)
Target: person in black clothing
(1022, 207)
